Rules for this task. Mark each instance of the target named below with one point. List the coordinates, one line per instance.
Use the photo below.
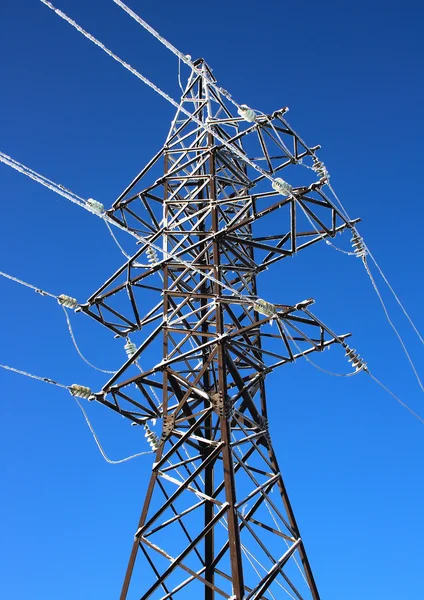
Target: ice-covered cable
(69, 388)
(366, 370)
(392, 325)
(187, 61)
(60, 300)
(320, 233)
(44, 293)
(99, 445)
(380, 270)
(71, 333)
(346, 214)
(377, 291)
(186, 58)
(115, 239)
(179, 76)
(83, 204)
(394, 295)
(37, 377)
(234, 150)
(7, 160)
(306, 357)
(28, 285)
(413, 413)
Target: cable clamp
(304, 304)
(41, 292)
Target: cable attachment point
(264, 424)
(168, 423)
(265, 308)
(358, 245)
(96, 206)
(320, 168)
(356, 361)
(130, 348)
(67, 301)
(81, 391)
(304, 304)
(152, 256)
(281, 186)
(247, 113)
(151, 438)
(217, 400)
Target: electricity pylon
(216, 520)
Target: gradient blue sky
(351, 74)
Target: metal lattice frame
(216, 519)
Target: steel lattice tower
(216, 520)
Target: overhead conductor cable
(78, 391)
(166, 96)
(359, 366)
(319, 166)
(103, 215)
(66, 302)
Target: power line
(393, 326)
(103, 215)
(286, 331)
(396, 398)
(158, 90)
(395, 295)
(346, 214)
(80, 201)
(377, 291)
(28, 285)
(60, 301)
(379, 269)
(99, 445)
(115, 239)
(31, 376)
(183, 57)
(363, 368)
(71, 333)
(199, 122)
(166, 96)
(93, 432)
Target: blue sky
(351, 457)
